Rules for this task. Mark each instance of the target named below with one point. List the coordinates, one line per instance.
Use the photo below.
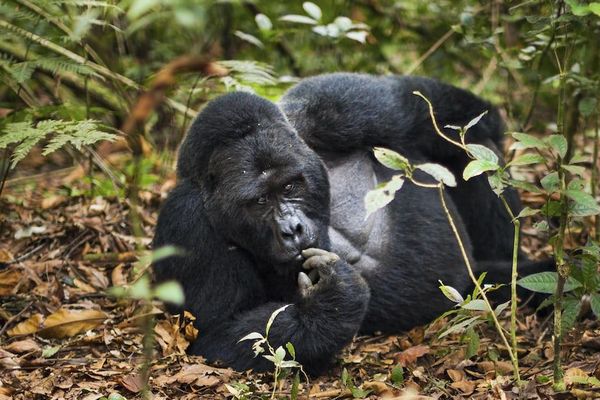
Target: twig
(14, 318)
(429, 52)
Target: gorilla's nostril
(299, 229)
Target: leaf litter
(63, 337)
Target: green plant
(277, 356)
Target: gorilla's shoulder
(223, 120)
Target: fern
(27, 134)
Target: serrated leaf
(298, 19)
(527, 159)
(558, 143)
(526, 141)
(477, 167)
(312, 9)
(391, 159)
(482, 153)
(474, 121)
(170, 292)
(545, 282)
(439, 173)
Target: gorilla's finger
(320, 262)
(304, 282)
(307, 253)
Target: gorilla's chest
(362, 242)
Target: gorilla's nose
(292, 230)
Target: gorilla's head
(263, 187)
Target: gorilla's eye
(262, 200)
(288, 188)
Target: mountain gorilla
(269, 210)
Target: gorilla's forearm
(319, 324)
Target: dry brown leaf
(23, 346)
(467, 387)
(52, 201)
(410, 355)
(27, 327)
(118, 275)
(133, 383)
(8, 280)
(5, 256)
(199, 374)
(379, 388)
(574, 375)
(65, 322)
(456, 375)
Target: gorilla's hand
(326, 269)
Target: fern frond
(27, 134)
(251, 71)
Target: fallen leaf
(23, 346)
(379, 388)
(27, 327)
(133, 383)
(456, 375)
(118, 275)
(65, 322)
(467, 387)
(9, 278)
(410, 355)
(52, 201)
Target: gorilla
(269, 210)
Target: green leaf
(252, 336)
(587, 106)
(595, 8)
(397, 375)
(526, 141)
(477, 167)
(527, 159)
(595, 304)
(474, 121)
(460, 326)
(472, 339)
(527, 212)
(359, 36)
(550, 182)
(298, 19)
(584, 204)
(140, 289)
(380, 197)
(50, 351)
(249, 38)
(529, 187)
(313, 10)
(545, 282)
(263, 22)
(295, 386)
(482, 153)
(358, 393)
(391, 159)
(451, 293)
(164, 252)
(439, 173)
(273, 316)
(476, 305)
(571, 309)
(170, 292)
(116, 396)
(290, 348)
(139, 7)
(575, 169)
(558, 144)
(279, 354)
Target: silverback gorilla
(266, 192)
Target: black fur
(242, 261)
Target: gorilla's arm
(342, 112)
(227, 295)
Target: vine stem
(512, 355)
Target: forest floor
(63, 337)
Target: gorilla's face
(268, 192)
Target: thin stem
(511, 354)
(435, 125)
(595, 174)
